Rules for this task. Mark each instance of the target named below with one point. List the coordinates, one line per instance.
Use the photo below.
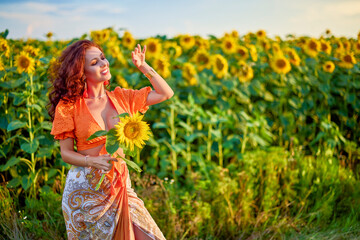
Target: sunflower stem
(188, 147)
(209, 144)
(220, 148)
(173, 136)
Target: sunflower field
(260, 141)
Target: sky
(148, 18)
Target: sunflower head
(244, 72)
(132, 131)
(49, 34)
(325, 47)
(219, 65)
(280, 64)
(4, 47)
(329, 66)
(202, 59)
(253, 52)
(153, 47)
(357, 47)
(312, 47)
(128, 41)
(1, 66)
(261, 34)
(187, 41)
(242, 53)
(24, 63)
(228, 45)
(163, 66)
(190, 74)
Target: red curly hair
(68, 78)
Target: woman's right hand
(102, 162)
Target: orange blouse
(75, 120)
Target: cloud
(48, 16)
(318, 11)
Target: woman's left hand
(138, 56)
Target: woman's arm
(71, 157)
(162, 89)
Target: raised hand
(138, 56)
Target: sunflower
(312, 47)
(202, 43)
(347, 45)
(234, 34)
(325, 47)
(31, 50)
(280, 64)
(49, 35)
(24, 63)
(187, 41)
(153, 47)
(132, 131)
(339, 47)
(128, 41)
(253, 52)
(189, 73)
(4, 47)
(121, 81)
(265, 44)
(228, 45)
(294, 57)
(201, 59)
(276, 48)
(1, 66)
(356, 47)
(261, 34)
(242, 53)
(329, 66)
(100, 36)
(172, 49)
(244, 72)
(219, 65)
(328, 32)
(162, 66)
(347, 61)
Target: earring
(107, 82)
(85, 93)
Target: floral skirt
(103, 214)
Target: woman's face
(96, 66)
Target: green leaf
(46, 125)
(44, 152)
(159, 125)
(186, 126)
(15, 125)
(37, 107)
(11, 162)
(122, 115)
(13, 83)
(131, 164)
(30, 147)
(193, 136)
(97, 134)
(15, 182)
(26, 182)
(112, 144)
(45, 60)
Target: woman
(79, 106)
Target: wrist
(144, 68)
(88, 161)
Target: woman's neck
(96, 90)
